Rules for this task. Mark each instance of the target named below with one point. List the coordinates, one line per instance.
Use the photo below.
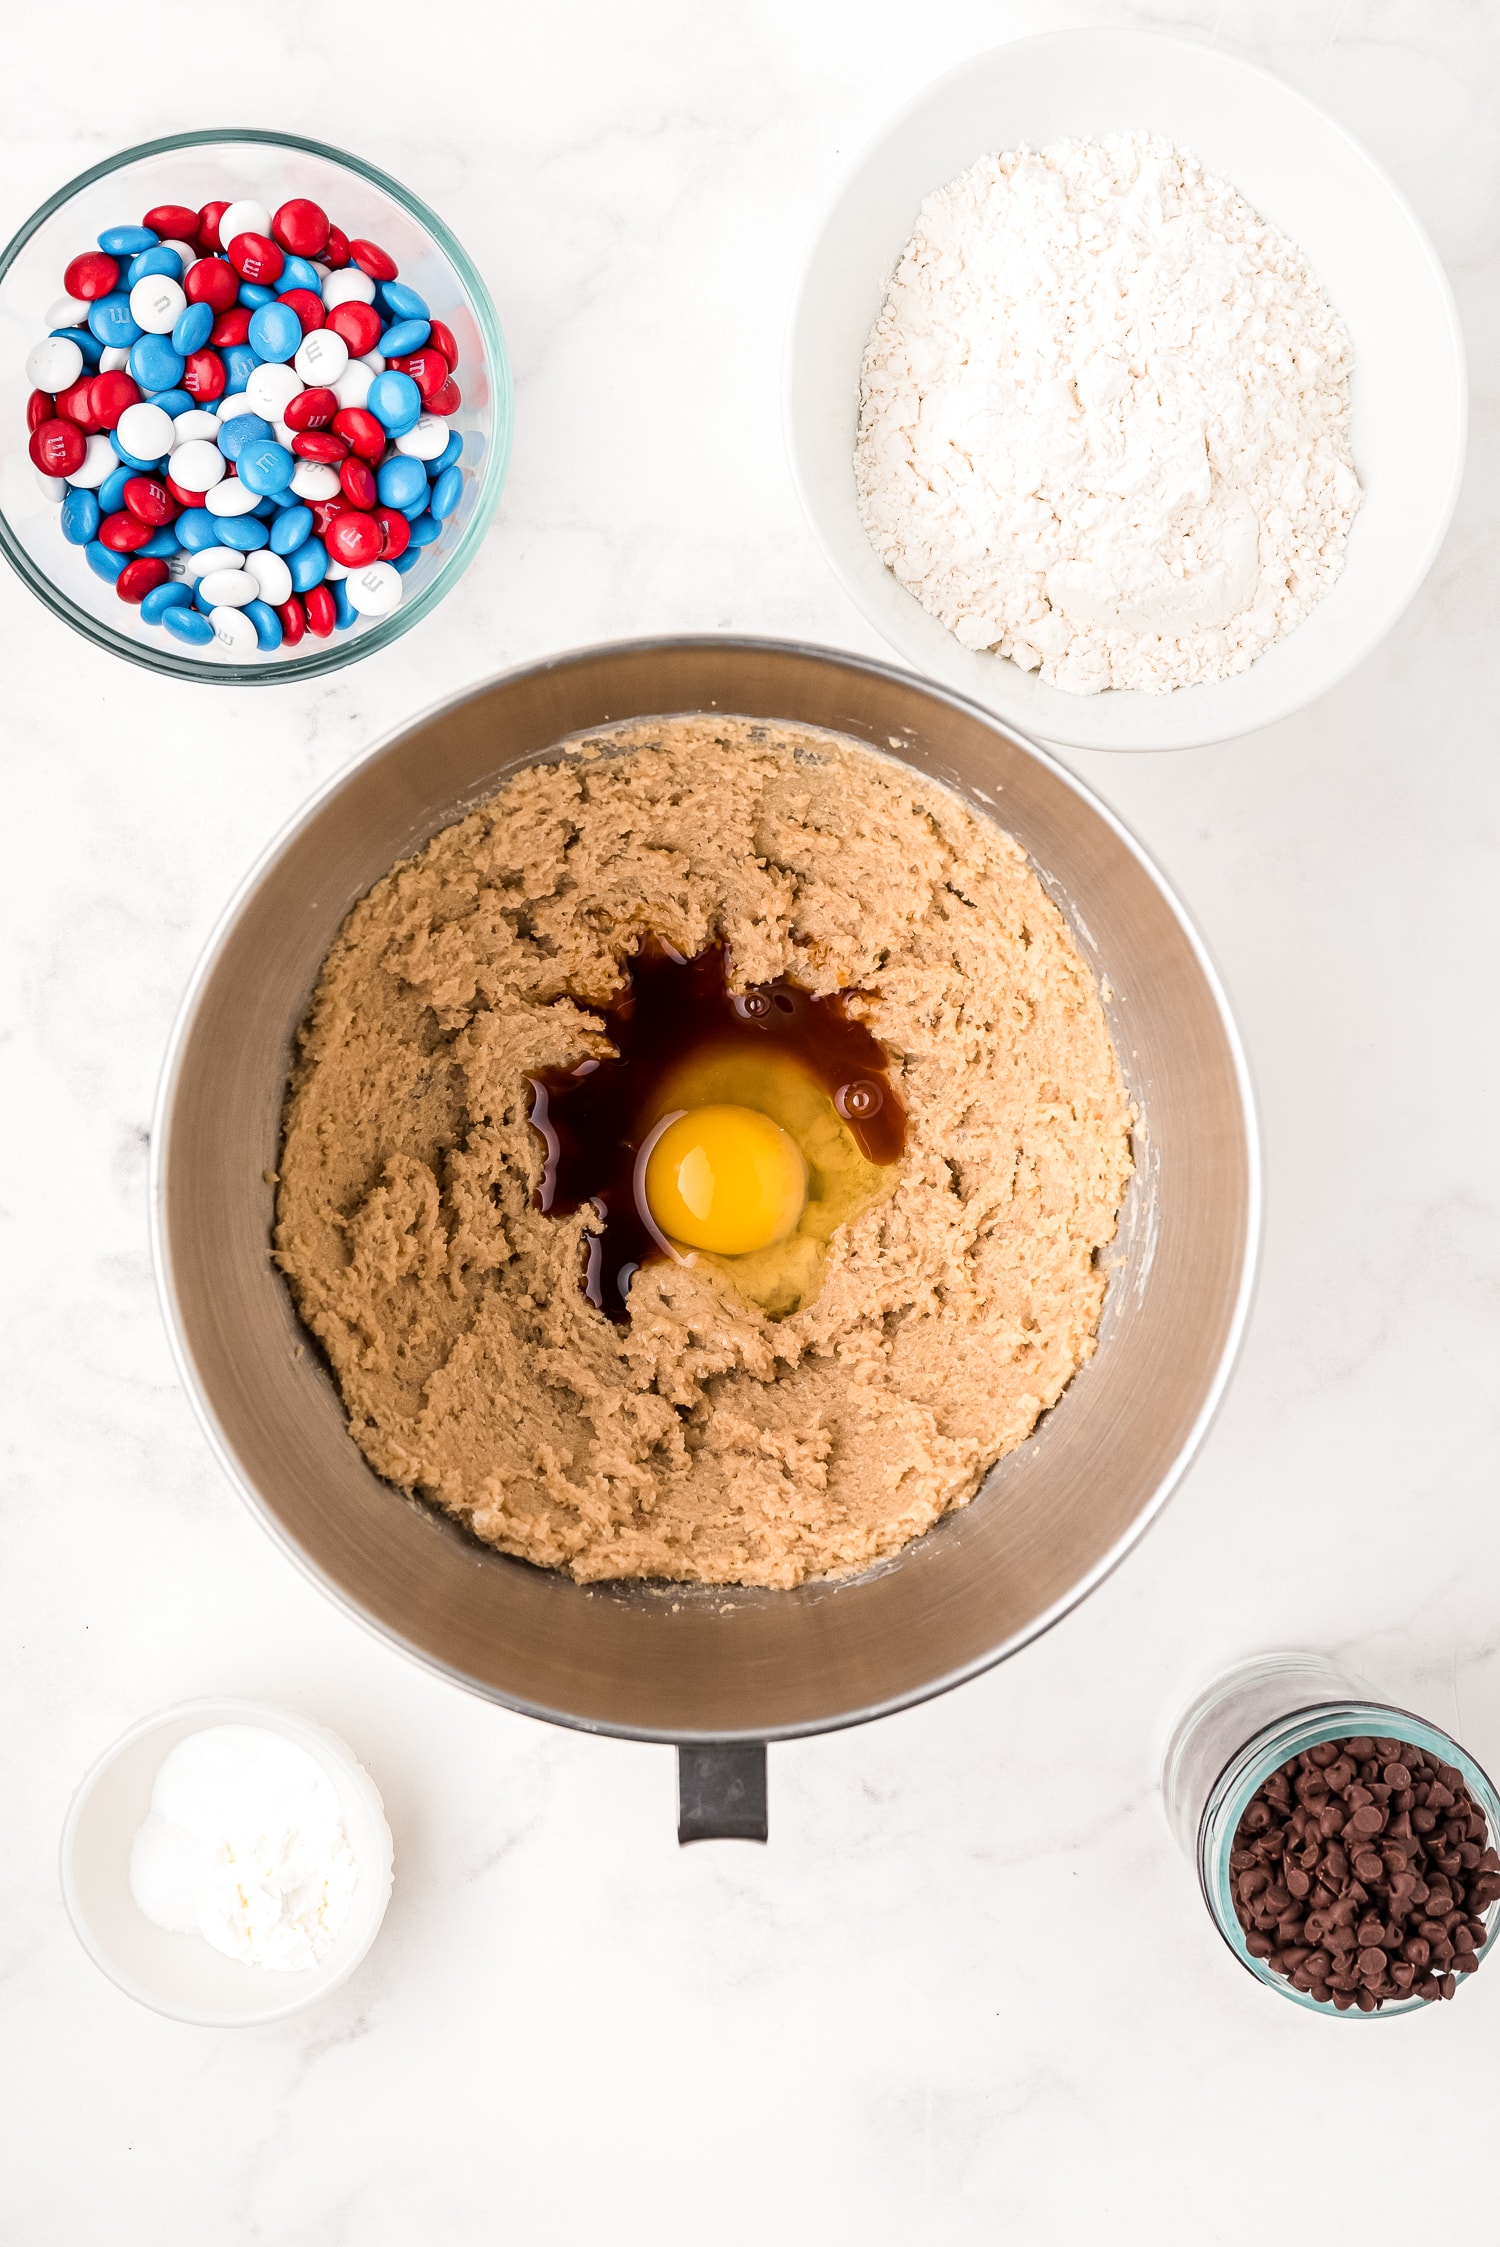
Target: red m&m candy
(301, 227)
(395, 532)
(150, 501)
(447, 400)
(110, 394)
(232, 326)
(140, 577)
(73, 404)
(208, 225)
(358, 324)
(92, 275)
(442, 339)
(319, 444)
(372, 259)
(336, 248)
(256, 258)
(124, 532)
(174, 222)
(57, 447)
(354, 538)
(203, 374)
(308, 308)
(358, 480)
(428, 369)
(42, 406)
(324, 511)
(211, 282)
(366, 435)
(311, 409)
(322, 613)
(293, 621)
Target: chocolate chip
(1360, 1872)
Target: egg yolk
(726, 1178)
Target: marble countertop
(968, 1992)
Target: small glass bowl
(189, 168)
(183, 1976)
(1245, 1726)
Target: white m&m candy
(353, 385)
(427, 439)
(271, 574)
(99, 460)
(348, 286)
(196, 423)
(228, 589)
(321, 358)
(234, 634)
(146, 432)
(197, 465)
(375, 590)
(271, 388)
(157, 303)
(56, 362)
(207, 559)
(231, 498)
(244, 217)
(314, 479)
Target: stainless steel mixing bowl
(670, 1663)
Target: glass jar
(1242, 1728)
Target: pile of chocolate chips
(1361, 1871)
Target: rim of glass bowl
(338, 653)
(1276, 1743)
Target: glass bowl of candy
(259, 407)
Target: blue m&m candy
(239, 431)
(395, 401)
(81, 517)
(189, 625)
(193, 329)
(308, 564)
(266, 466)
(403, 303)
(174, 594)
(290, 528)
(127, 241)
(275, 331)
(400, 481)
(154, 363)
(112, 321)
(406, 335)
(104, 562)
(445, 493)
(157, 260)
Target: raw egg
(727, 1179)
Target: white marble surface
(968, 1992)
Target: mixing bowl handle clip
(721, 1791)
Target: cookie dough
(701, 1440)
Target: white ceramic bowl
(182, 1975)
(1300, 170)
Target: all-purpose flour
(1104, 418)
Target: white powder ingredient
(245, 1845)
(1104, 418)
